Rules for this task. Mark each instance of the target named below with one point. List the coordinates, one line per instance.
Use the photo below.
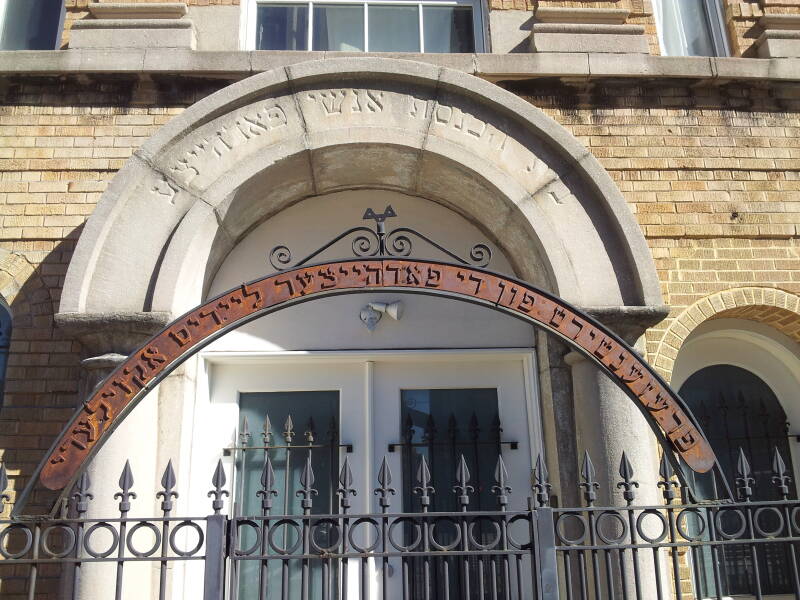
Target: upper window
(690, 28)
(31, 24)
(368, 25)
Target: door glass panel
(314, 428)
(393, 29)
(448, 29)
(282, 27)
(338, 27)
(442, 425)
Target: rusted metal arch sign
(130, 382)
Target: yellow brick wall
(711, 173)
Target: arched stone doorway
(244, 155)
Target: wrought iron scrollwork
(377, 242)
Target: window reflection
(30, 24)
(339, 27)
(394, 29)
(448, 29)
(282, 27)
(427, 26)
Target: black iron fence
(675, 549)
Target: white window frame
(59, 33)
(250, 16)
(716, 22)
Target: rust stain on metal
(129, 382)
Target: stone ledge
(131, 24)
(587, 28)
(493, 67)
(780, 22)
(138, 10)
(610, 16)
(118, 332)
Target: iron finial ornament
(82, 495)
(744, 477)
(266, 431)
(424, 489)
(125, 484)
(267, 491)
(385, 482)
(541, 483)
(345, 489)
(462, 487)
(288, 430)
(218, 481)
(589, 485)
(244, 432)
(168, 493)
(667, 475)
(387, 213)
(311, 431)
(780, 475)
(307, 491)
(378, 242)
(502, 489)
(628, 483)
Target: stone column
(608, 422)
(107, 340)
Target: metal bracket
(511, 445)
(230, 450)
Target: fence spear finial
(424, 489)
(82, 495)
(667, 473)
(780, 476)
(588, 474)
(125, 484)
(345, 489)
(462, 487)
(385, 481)
(501, 488)
(168, 482)
(244, 432)
(744, 478)
(307, 484)
(267, 491)
(628, 483)
(218, 481)
(541, 483)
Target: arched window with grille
(737, 409)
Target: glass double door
(399, 408)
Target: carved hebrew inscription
(237, 131)
(347, 101)
(214, 146)
(130, 382)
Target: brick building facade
(705, 152)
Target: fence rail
(677, 549)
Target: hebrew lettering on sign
(145, 367)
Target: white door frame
(368, 465)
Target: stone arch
(774, 307)
(15, 273)
(231, 161)
(131, 381)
